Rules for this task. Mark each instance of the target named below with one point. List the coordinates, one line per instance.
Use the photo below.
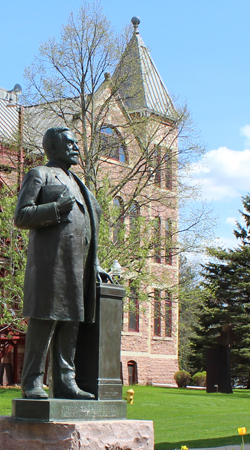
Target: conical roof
(138, 80)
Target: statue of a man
(62, 266)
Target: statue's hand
(103, 276)
(65, 202)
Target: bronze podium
(99, 345)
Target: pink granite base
(96, 435)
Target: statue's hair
(51, 138)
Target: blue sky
(201, 49)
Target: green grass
(6, 395)
(181, 416)
(192, 417)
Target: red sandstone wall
(151, 370)
(156, 357)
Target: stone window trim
(162, 338)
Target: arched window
(119, 218)
(132, 373)
(111, 145)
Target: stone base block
(80, 435)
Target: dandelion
(184, 447)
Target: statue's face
(67, 151)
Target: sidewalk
(228, 447)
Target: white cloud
(231, 221)
(227, 242)
(245, 131)
(224, 173)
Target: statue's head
(60, 145)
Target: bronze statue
(62, 266)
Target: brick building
(11, 342)
(149, 353)
(149, 337)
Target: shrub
(199, 379)
(182, 378)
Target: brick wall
(156, 356)
(150, 370)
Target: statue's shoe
(34, 393)
(75, 394)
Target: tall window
(134, 211)
(118, 204)
(133, 315)
(157, 313)
(122, 316)
(169, 242)
(132, 373)
(157, 239)
(157, 165)
(169, 169)
(168, 315)
(111, 145)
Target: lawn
(181, 416)
(192, 417)
(6, 395)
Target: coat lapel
(59, 175)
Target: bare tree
(90, 81)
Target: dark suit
(60, 279)
(55, 267)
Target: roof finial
(135, 21)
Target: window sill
(161, 338)
(131, 333)
(113, 161)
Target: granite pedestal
(68, 435)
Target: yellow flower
(242, 431)
(184, 447)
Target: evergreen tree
(225, 317)
(189, 308)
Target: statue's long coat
(59, 283)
